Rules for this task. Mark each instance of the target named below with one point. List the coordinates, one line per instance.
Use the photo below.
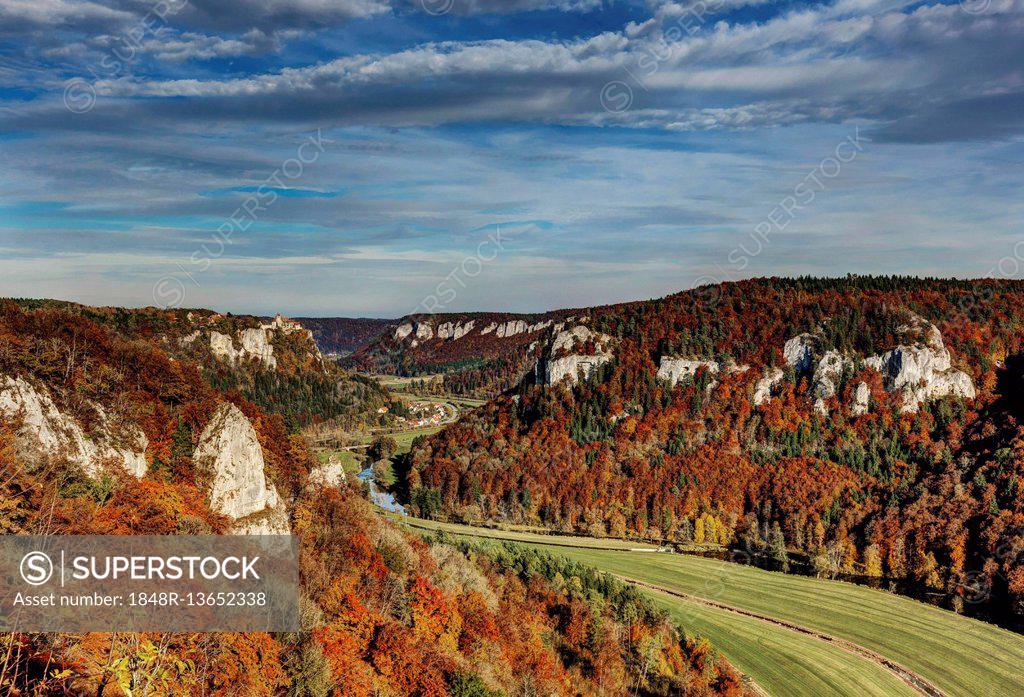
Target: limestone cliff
(45, 431)
(253, 344)
(511, 328)
(566, 361)
(918, 370)
(403, 330)
(922, 372)
(330, 473)
(454, 330)
(799, 351)
(230, 452)
(675, 369)
(861, 399)
(763, 388)
(256, 345)
(572, 367)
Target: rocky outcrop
(565, 360)
(45, 431)
(675, 369)
(769, 381)
(223, 348)
(424, 331)
(568, 339)
(403, 330)
(256, 345)
(922, 372)
(230, 453)
(573, 367)
(799, 352)
(861, 399)
(918, 370)
(511, 328)
(454, 330)
(828, 374)
(330, 473)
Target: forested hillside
(478, 354)
(871, 425)
(107, 418)
(275, 363)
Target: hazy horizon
(469, 309)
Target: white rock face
(511, 328)
(861, 399)
(331, 473)
(953, 383)
(489, 328)
(799, 352)
(539, 325)
(564, 363)
(566, 340)
(763, 388)
(272, 521)
(231, 452)
(256, 345)
(676, 369)
(454, 330)
(827, 375)
(46, 430)
(223, 348)
(920, 371)
(572, 366)
(403, 330)
(424, 331)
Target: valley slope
(153, 422)
(862, 425)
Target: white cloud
(828, 63)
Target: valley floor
(956, 655)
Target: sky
(385, 157)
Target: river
(380, 498)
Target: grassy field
(405, 438)
(781, 661)
(960, 655)
(403, 388)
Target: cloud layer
(628, 147)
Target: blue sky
(361, 157)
